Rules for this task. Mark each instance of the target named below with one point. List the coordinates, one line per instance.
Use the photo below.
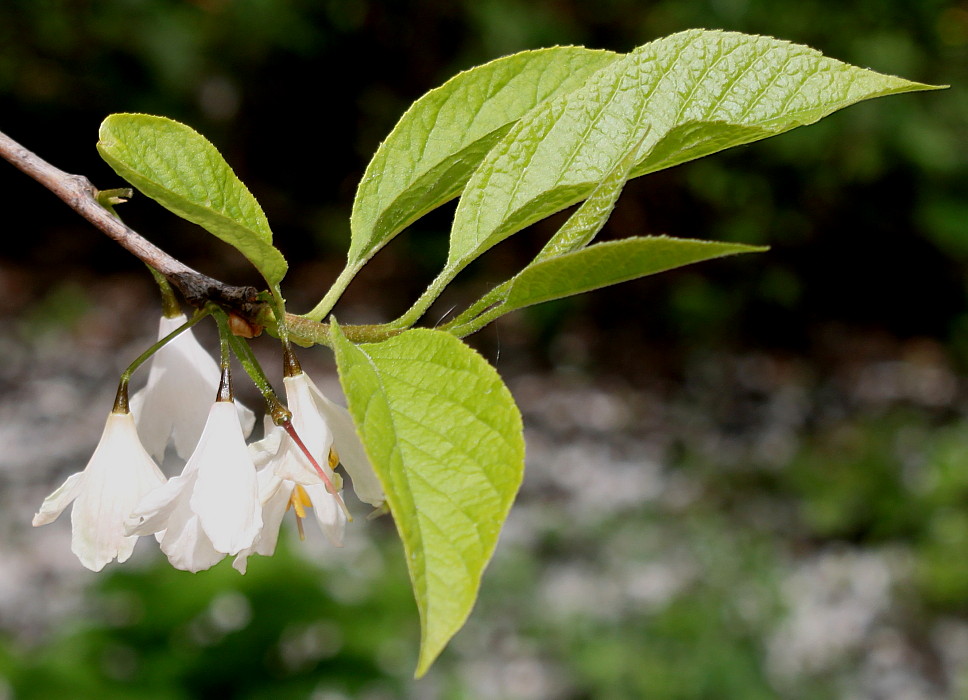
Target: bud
(242, 327)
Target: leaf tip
(424, 661)
(335, 332)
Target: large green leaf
(441, 139)
(445, 438)
(695, 93)
(181, 170)
(608, 263)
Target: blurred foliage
(291, 628)
(284, 630)
(657, 600)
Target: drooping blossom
(118, 475)
(288, 479)
(279, 496)
(346, 442)
(212, 509)
(176, 400)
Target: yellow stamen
(299, 502)
(333, 461)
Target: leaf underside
(681, 97)
(609, 263)
(437, 144)
(445, 438)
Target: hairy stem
(327, 303)
(495, 296)
(305, 331)
(169, 303)
(475, 324)
(420, 306)
(252, 367)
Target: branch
(198, 289)
(81, 196)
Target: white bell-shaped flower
(346, 442)
(212, 508)
(289, 480)
(279, 496)
(118, 475)
(176, 400)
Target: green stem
(251, 365)
(429, 296)
(290, 363)
(493, 297)
(225, 353)
(121, 399)
(326, 304)
(306, 332)
(108, 198)
(278, 305)
(169, 302)
(475, 324)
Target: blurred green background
(793, 423)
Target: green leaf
(181, 170)
(445, 438)
(441, 139)
(582, 226)
(577, 232)
(696, 92)
(604, 264)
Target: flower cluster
(230, 498)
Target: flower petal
(275, 500)
(352, 455)
(55, 503)
(181, 386)
(274, 507)
(153, 510)
(119, 473)
(185, 543)
(331, 518)
(266, 449)
(226, 492)
(291, 463)
(154, 423)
